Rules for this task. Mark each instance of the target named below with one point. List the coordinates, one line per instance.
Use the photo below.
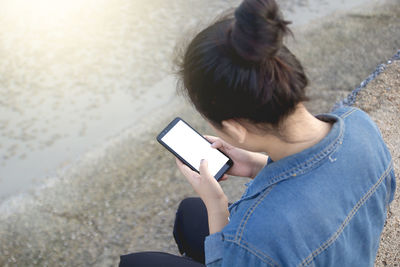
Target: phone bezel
(219, 174)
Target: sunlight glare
(45, 14)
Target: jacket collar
(299, 163)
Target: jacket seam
(301, 168)
(251, 249)
(347, 113)
(347, 220)
(322, 154)
(248, 214)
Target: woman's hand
(209, 190)
(246, 163)
(205, 185)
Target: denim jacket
(324, 206)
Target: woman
(320, 197)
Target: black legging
(190, 230)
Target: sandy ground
(381, 99)
(122, 197)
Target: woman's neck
(298, 132)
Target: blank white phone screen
(193, 148)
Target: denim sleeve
(217, 263)
(223, 253)
(213, 248)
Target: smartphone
(191, 147)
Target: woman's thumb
(204, 168)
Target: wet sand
(70, 82)
(69, 70)
(121, 196)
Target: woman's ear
(235, 130)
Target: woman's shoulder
(346, 111)
(358, 120)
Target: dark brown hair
(238, 67)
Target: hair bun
(258, 29)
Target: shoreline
(114, 200)
(71, 123)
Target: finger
(223, 178)
(178, 162)
(204, 168)
(186, 171)
(211, 138)
(217, 144)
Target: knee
(134, 259)
(187, 205)
(189, 209)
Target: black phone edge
(221, 172)
(164, 131)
